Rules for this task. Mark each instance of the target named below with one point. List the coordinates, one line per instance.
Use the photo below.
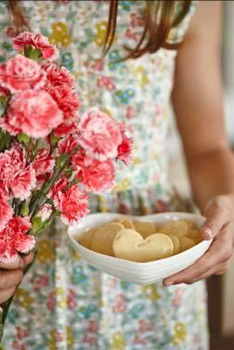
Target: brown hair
(159, 19)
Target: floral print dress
(64, 303)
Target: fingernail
(208, 233)
(168, 283)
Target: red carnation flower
(14, 240)
(57, 76)
(34, 113)
(59, 186)
(68, 127)
(43, 162)
(21, 73)
(125, 148)
(3, 91)
(15, 174)
(66, 98)
(100, 134)
(96, 175)
(73, 204)
(6, 211)
(38, 41)
(68, 144)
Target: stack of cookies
(141, 241)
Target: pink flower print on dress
(120, 303)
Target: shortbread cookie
(176, 243)
(87, 237)
(195, 235)
(102, 240)
(126, 221)
(130, 245)
(178, 228)
(144, 228)
(190, 224)
(186, 243)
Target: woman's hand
(11, 275)
(220, 226)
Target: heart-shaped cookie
(195, 235)
(87, 237)
(125, 221)
(102, 241)
(130, 245)
(176, 243)
(186, 243)
(144, 228)
(178, 228)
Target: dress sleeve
(177, 34)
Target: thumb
(215, 220)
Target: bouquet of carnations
(51, 158)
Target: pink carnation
(14, 240)
(15, 174)
(95, 175)
(68, 144)
(125, 148)
(60, 85)
(7, 126)
(43, 162)
(21, 73)
(6, 211)
(34, 113)
(41, 179)
(38, 41)
(58, 75)
(73, 204)
(3, 91)
(100, 134)
(66, 98)
(59, 186)
(66, 128)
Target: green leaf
(32, 53)
(2, 140)
(37, 223)
(3, 100)
(24, 210)
(23, 138)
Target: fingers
(10, 279)
(217, 215)
(6, 294)
(28, 259)
(219, 254)
(16, 264)
(222, 268)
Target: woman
(63, 303)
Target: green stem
(47, 186)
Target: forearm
(211, 174)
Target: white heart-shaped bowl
(139, 273)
